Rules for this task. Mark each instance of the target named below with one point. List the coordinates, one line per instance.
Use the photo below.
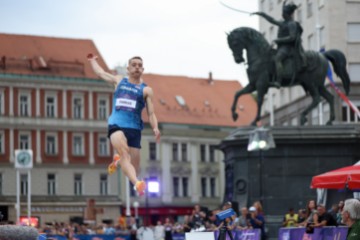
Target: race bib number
(126, 102)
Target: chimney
(210, 79)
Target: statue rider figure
(288, 41)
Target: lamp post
(261, 139)
(152, 186)
(136, 207)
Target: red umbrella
(338, 179)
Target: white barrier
(199, 236)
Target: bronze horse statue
(261, 71)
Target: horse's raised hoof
(235, 116)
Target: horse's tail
(338, 61)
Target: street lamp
(152, 186)
(261, 139)
(136, 207)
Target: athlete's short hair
(135, 57)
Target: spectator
(290, 219)
(159, 231)
(334, 210)
(351, 217)
(197, 217)
(323, 218)
(310, 211)
(243, 220)
(187, 224)
(229, 221)
(339, 215)
(145, 233)
(257, 221)
(168, 229)
(259, 208)
(302, 217)
(108, 229)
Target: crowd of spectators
(202, 219)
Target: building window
(203, 153)
(212, 187)
(271, 5)
(2, 139)
(78, 184)
(103, 110)
(51, 144)
(24, 105)
(1, 184)
(152, 151)
(203, 187)
(103, 184)
(184, 152)
(78, 108)
(103, 146)
(185, 187)
(78, 145)
(176, 186)
(24, 184)
(50, 107)
(24, 141)
(2, 100)
(353, 32)
(262, 7)
(354, 72)
(299, 14)
(175, 152)
(212, 153)
(309, 8)
(51, 184)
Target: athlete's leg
(135, 159)
(119, 142)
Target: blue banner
(85, 237)
(325, 233)
(250, 234)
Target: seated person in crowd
(290, 219)
(323, 218)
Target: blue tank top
(128, 103)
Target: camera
(309, 229)
(225, 214)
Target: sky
(174, 37)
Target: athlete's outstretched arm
(108, 77)
(151, 113)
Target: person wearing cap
(351, 217)
(288, 40)
(257, 221)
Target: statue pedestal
(280, 177)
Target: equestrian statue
(286, 66)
